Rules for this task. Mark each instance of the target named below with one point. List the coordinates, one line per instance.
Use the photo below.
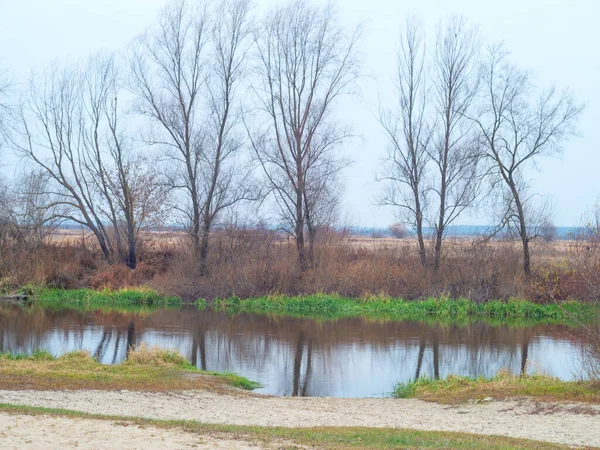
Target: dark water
(290, 356)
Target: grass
(455, 389)
(130, 297)
(324, 305)
(325, 438)
(145, 369)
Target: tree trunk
(420, 239)
(300, 230)
(522, 230)
(526, 256)
(438, 248)
(132, 257)
(204, 248)
(441, 219)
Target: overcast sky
(555, 39)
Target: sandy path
(565, 424)
(29, 432)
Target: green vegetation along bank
(326, 306)
(104, 297)
(380, 306)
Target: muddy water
(301, 357)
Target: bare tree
(322, 195)
(24, 214)
(4, 105)
(433, 154)
(53, 134)
(409, 135)
(306, 61)
(167, 77)
(134, 193)
(70, 129)
(454, 153)
(185, 74)
(224, 182)
(516, 129)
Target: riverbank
(382, 423)
(145, 370)
(331, 306)
(138, 296)
(457, 389)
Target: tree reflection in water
(296, 356)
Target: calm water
(289, 356)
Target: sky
(554, 39)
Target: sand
(37, 432)
(560, 423)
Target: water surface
(298, 356)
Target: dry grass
(251, 262)
(145, 369)
(455, 389)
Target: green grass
(38, 355)
(145, 369)
(324, 437)
(504, 385)
(333, 306)
(86, 298)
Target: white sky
(558, 40)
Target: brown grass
(146, 370)
(457, 389)
(256, 261)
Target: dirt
(569, 424)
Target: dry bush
(584, 263)
(254, 261)
(55, 265)
(155, 356)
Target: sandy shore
(29, 432)
(560, 423)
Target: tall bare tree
(185, 75)
(135, 193)
(520, 123)
(53, 134)
(433, 158)
(225, 179)
(306, 62)
(167, 78)
(409, 135)
(70, 130)
(454, 152)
